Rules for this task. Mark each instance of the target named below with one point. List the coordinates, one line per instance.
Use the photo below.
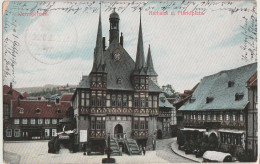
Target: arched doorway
(159, 134)
(118, 131)
(213, 141)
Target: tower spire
(140, 60)
(98, 65)
(149, 64)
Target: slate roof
(48, 109)
(163, 101)
(216, 86)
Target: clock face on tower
(117, 55)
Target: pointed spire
(140, 60)
(98, 65)
(149, 64)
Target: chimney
(122, 40)
(11, 85)
(104, 44)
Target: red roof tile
(182, 94)
(171, 100)
(48, 109)
(7, 98)
(252, 82)
(188, 91)
(66, 97)
(11, 91)
(25, 95)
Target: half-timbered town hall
(120, 96)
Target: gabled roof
(252, 82)
(11, 91)
(66, 97)
(47, 109)
(163, 101)
(7, 98)
(216, 87)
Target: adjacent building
(33, 119)
(120, 97)
(224, 106)
(252, 118)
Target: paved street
(163, 150)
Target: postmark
(51, 39)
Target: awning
(231, 131)
(193, 129)
(216, 156)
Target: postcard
(129, 81)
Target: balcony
(140, 134)
(97, 134)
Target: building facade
(120, 96)
(218, 108)
(33, 119)
(252, 121)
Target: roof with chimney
(226, 90)
(120, 72)
(47, 109)
(11, 91)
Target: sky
(58, 48)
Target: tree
(169, 90)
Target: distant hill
(47, 87)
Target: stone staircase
(132, 147)
(115, 147)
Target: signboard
(83, 136)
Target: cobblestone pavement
(163, 150)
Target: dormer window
(162, 99)
(231, 84)
(59, 111)
(119, 81)
(57, 100)
(38, 111)
(192, 100)
(209, 99)
(21, 111)
(239, 96)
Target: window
(119, 81)
(24, 120)
(40, 120)
(239, 96)
(214, 117)
(8, 132)
(87, 99)
(99, 101)
(191, 117)
(93, 123)
(113, 100)
(142, 125)
(54, 121)
(32, 121)
(194, 116)
(82, 99)
(136, 123)
(220, 117)
(17, 133)
(199, 116)
(142, 81)
(136, 102)
(192, 100)
(241, 117)
(119, 100)
(125, 101)
(98, 123)
(155, 101)
(16, 121)
(54, 132)
(136, 81)
(150, 101)
(234, 116)
(184, 116)
(38, 111)
(203, 116)
(59, 111)
(142, 102)
(104, 123)
(47, 132)
(230, 84)
(209, 99)
(47, 121)
(94, 100)
(208, 116)
(21, 111)
(227, 117)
